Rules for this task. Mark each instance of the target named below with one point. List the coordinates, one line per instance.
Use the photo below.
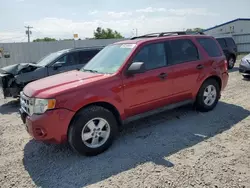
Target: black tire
(81, 118)
(246, 76)
(200, 104)
(231, 58)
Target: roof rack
(162, 34)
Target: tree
(108, 33)
(45, 39)
(197, 29)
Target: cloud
(93, 12)
(119, 14)
(191, 11)
(64, 28)
(151, 10)
(124, 22)
(12, 36)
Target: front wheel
(92, 131)
(208, 95)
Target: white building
(239, 29)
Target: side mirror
(135, 68)
(57, 65)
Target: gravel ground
(180, 148)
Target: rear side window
(153, 55)
(85, 56)
(181, 50)
(210, 46)
(230, 42)
(222, 43)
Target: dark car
(13, 78)
(229, 48)
(124, 81)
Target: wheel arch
(217, 78)
(214, 77)
(106, 105)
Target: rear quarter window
(222, 43)
(210, 46)
(230, 42)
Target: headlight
(42, 105)
(245, 62)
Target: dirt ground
(180, 148)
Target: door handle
(163, 75)
(200, 66)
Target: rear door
(187, 64)
(216, 58)
(68, 62)
(151, 89)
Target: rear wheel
(246, 76)
(208, 95)
(231, 62)
(92, 130)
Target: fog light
(40, 132)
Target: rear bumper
(51, 127)
(225, 77)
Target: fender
(78, 99)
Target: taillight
(225, 65)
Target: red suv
(122, 82)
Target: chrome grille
(25, 103)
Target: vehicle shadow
(234, 69)
(147, 140)
(10, 107)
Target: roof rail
(162, 34)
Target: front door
(148, 90)
(67, 62)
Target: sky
(62, 18)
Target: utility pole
(136, 31)
(28, 32)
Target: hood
(247, 57)
(18, 68)
(59, 83)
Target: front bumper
(51, 127)
(244, 69)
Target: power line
(28, 32)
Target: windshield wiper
(89, 70)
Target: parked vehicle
(244, 68)
(13, 78)
(229, 48)
(124, 81)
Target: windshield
(47, 59)
(110, 59)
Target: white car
(245, 66)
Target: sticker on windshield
(128, 45)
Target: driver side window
(69, 59)
(62, 59)
(153, 55)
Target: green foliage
(45, 39)
(108, 33)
